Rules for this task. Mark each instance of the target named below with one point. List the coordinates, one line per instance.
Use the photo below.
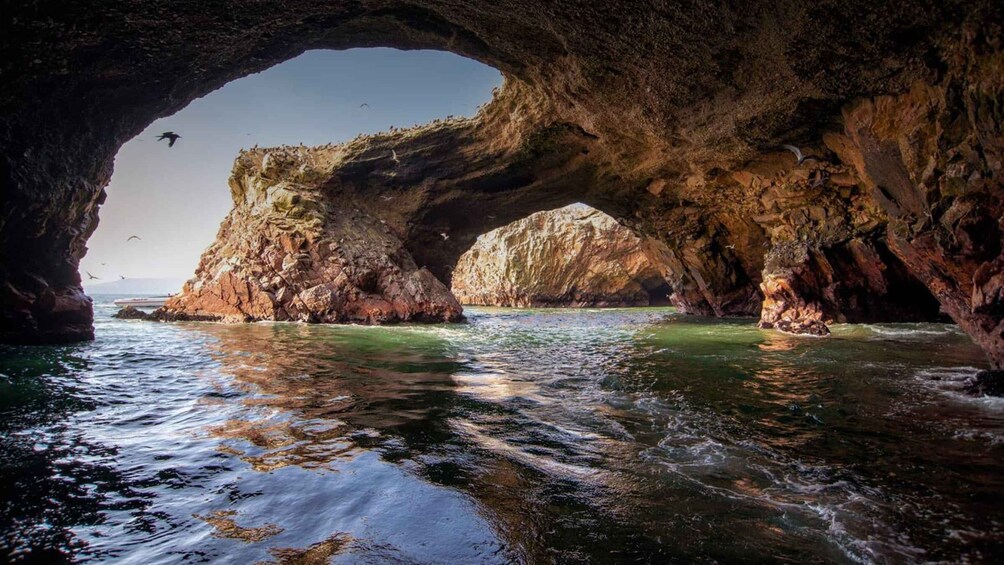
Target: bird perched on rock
(132, 237)
(819, 179)
(170, 136)
(91, 277)
(798, 155)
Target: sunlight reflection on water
(524, 435)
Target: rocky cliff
(572, 256)
(668, 116)
(288, 251)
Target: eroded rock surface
(668, 117)
(572, 256)
(288, 251)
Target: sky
(174, 198)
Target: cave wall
(667, 116)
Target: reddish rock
(932, 158)
(856, 281)
(288, 252)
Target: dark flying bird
(798, 154)
(364, 105)
(169, 135)
(132, 237)
(121, 278)
(91, 277)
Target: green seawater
(522, 436)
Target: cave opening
(165, 202)
(574, 256)
(829, 168)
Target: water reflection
(524, 436)
(59, 478)
(369, 405)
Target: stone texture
(288, 251)
(666, 116)
(856, 281)
(572, 256)
(932, 158)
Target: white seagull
(798, 154)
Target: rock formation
(572, 256)
(667, 116)
(289, 251)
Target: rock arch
(665, 115)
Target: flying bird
(444, 235)
(364, 105)
(730, 247)
(132, 237)
(387, 197)
(170, 136)
(121, 278)
(393, 155)
(798, 154)
(91, 277)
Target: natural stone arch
(670, 111)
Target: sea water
(521, 436)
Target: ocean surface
(522, 436)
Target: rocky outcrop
(666, 119)
(131, 313)
(572, 256)
(289, 251)
(859, 280)
(932, 158)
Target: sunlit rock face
(572, 256)
(668, 117)
(287, 251)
